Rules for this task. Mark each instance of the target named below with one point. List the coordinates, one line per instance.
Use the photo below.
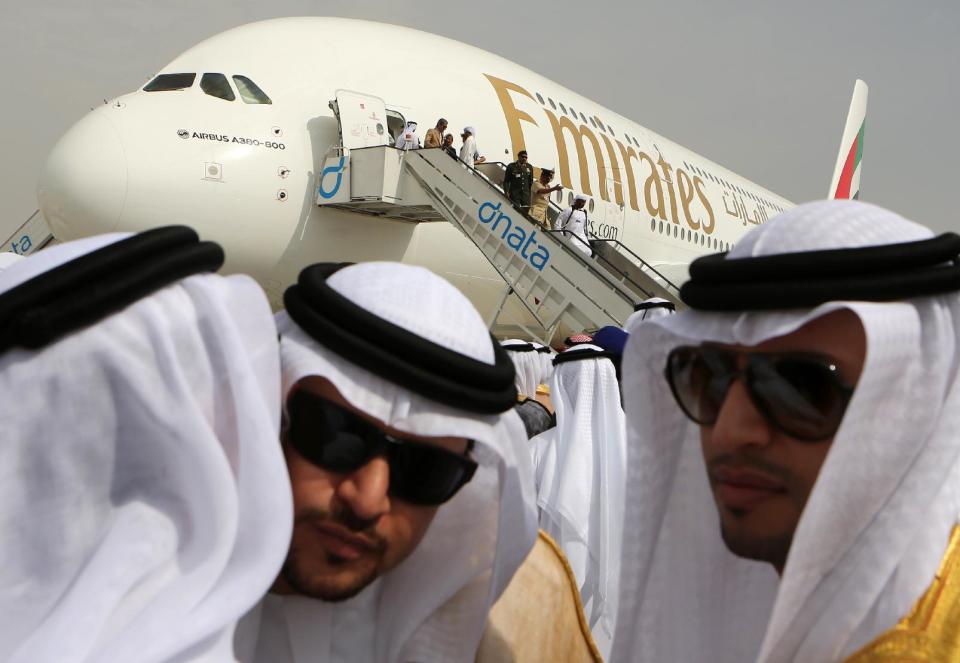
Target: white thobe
(408, 140)
(297, 629)
(468, 153)
(574, 222)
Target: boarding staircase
(635, 273)
(559, 286)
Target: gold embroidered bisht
(931, 632)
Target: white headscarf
(546, 364)
(647, 314)
(532, 370)
(434, 606)
(8, 258)
(580, 196)
(144, 500)
(878, 519)
(581, 475)
(408, 139)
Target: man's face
(522, 158)
(348, 530)
(761, 477)
(441, 126)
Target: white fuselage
(245, 174)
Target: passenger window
(249, 91)
(166, 82)
(216, 85)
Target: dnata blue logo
(515, 236)
(330, 170)
(22, 245)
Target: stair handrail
(618, 246)
(610, 267)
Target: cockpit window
(165, 82)
(217, 85)
(250, 92)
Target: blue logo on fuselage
(338, 169)
(515, 236)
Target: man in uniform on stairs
(540, 196)
(517, 180)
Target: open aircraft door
(363, 123)
(362, 119)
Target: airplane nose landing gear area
(83, 185)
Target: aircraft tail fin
(846, 174)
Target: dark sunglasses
(799, 394)
(338, 440)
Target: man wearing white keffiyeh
(827, 441)
(144, 502)
(533, 363)
(580, 475)
(649, 309)
(393, 385)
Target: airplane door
(612, 225)
(362, 118)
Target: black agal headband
(395, 354)
(97, 284)
(883, 273)
(646, 306)
(586, 353)
(526, 347)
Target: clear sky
(760, 87)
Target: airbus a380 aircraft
(231, 138)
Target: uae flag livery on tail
(851, 168)
(846, 174)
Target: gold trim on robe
(931, 632)
(539, 617)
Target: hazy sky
(760, 87)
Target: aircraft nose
(83, 185)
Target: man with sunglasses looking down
(412, 489)
(793, 480)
